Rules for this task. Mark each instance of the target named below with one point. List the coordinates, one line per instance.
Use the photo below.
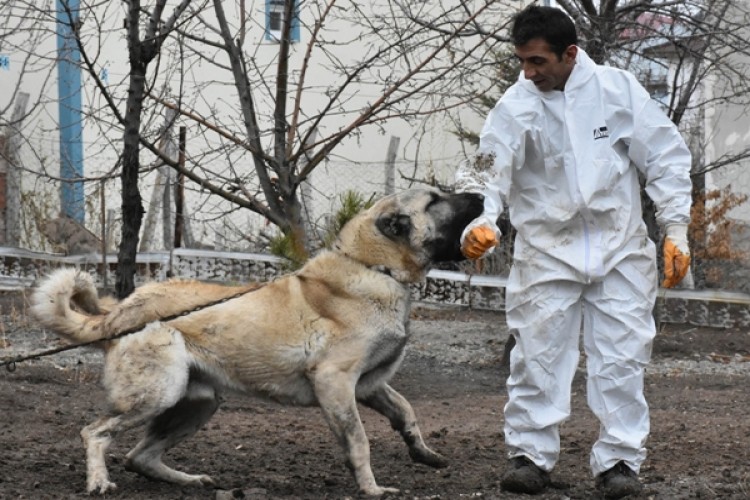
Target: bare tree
(380, 67)
(411, 70)
(146, 31)
(141, 52)
(688, 44)
(384, 61)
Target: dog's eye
(395, 226)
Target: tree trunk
(132, 203)
(299, 236)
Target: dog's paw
(378, 491)
(101, 486)
(207, 481)
(195, 480)
(428, 457)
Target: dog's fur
(331, 334)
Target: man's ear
(570, 53)
(394, 226)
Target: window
(275, 21)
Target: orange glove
(478, 241)
(676, 255)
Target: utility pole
(71, 123)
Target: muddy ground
(698, 388)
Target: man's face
(542, 66)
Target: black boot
(618, 482)
(524, 476)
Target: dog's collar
(379, 268)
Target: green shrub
(284, 245)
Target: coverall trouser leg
(618, 335)
(618, 332)
(546, 322)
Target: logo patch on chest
(601, 133)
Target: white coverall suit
(566, 164)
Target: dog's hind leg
(388, 402)
(169, 428)
(96, 439)
(145, 374)
(335, 392)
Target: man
(562, 149)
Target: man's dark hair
(548, 23)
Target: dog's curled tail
(67, 302)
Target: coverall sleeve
(660, 153)
(489, 171)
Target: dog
(331, 334)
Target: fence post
(306, 197)
(111, 220)
(167, 145)
(153, 207)
(10, 182)
(179, 196)
(103, 231)
(3, 188)
(390, 165)
(167, 215)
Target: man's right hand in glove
(479, 239)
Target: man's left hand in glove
(676, 255)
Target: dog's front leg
(334, 389)
(388, 402)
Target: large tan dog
(331, 334)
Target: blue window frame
(274, 15)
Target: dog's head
(406, 233)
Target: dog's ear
(395, 226)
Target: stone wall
(20, 269)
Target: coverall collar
(582, 71)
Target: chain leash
(10, 362)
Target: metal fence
(21, 269)
(725, 268)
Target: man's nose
(529, 72)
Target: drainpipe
(71, 123)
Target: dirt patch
(698, 388)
